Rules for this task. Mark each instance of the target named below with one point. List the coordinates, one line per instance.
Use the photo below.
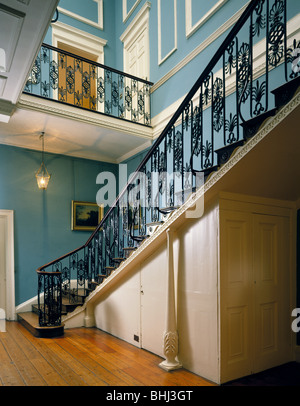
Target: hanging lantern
(42, 175)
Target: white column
(171, 335)
(89, 317)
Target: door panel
(235, 295)
(153, 301)
(254, 293)
(271, 278)
(138, 57)
(77, 80)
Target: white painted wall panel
(153, 300)
(138, 306)
(198, 296)
(119, 312)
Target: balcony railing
(231, 98)
(67, 78)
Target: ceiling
(74, 137)
(68, 131)
(271, 169)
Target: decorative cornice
(89, 117)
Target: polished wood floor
(82, 357)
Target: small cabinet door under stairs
(254, 292)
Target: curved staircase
(121, 232)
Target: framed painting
(86, 216)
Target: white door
(153, 301)
(2, 263)
(136, 57)
(254, 294)
(236, 295)
(271, 281)
(136, 62)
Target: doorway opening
(7, 277)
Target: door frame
(139, 26)
(10, 264)
(231, 202)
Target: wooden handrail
(40, 269)
(48, 273)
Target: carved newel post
(171, 335)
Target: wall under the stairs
(136, 307)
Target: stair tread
(259, 118)
(30, 321)
(33, 320)
(169, 208)
(80, 294)
(65, 301)
(291, 83)
(35, 309)
(233, 145)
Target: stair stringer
(83, 315)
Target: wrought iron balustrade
(49, 298)
(224, 108)
(67, 78)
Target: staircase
(227, 106)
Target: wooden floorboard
(82, 357)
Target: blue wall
(43, 218)
(179, 84)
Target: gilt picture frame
(85, 215)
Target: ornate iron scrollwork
(230, 85)
(230, 125)
(276, 32)
(89, 85)
(293, 59)
(244, 69)
(218, 102)
(258, 91)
